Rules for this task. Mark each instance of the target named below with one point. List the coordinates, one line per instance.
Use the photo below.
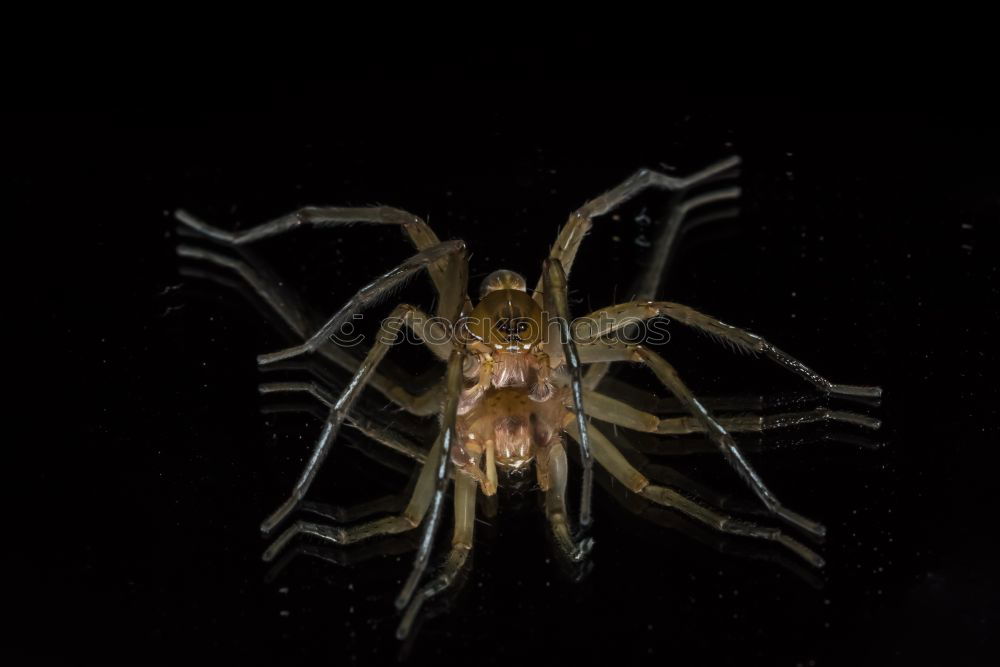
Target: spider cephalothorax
(514, 384)
(509, 411)
(506, 318)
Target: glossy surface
(866, 246)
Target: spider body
(511, 409)
(514, 384)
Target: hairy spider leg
(615, 317)
(699, 531)
(393, 441)
(371, 293)
(338, 413)
(395, 545)
(288, 306)
(466, 490)
(580, 221)
(366, 296)
(419, 232)
(647, 285)
(608, 409)
(557, 303)
(449, 434)
(366, 426)
(612, 460)
(423, 401)
(557, 470)
(427, 494)
(555, 504)
(410, 518)
(664, 475)
(713, 429)
(465, 494)
(751, 406)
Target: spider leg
(391, 438)
(647, 285)
(349, 556)
(745, 402)
(715, 431)
(393, 503)
(420, 233)
(556, 470)
(653, 445)
(371, 293)
(667, 476)
(732, 500)
(612, 460)
(448, 435)
(664, 475)
(466, 489)
(581, 220)
(289, 308)
(258, 275)
(410, 518)
(650, 280)
(608, 409)
(608, 320)
(338, 413)
(697, 531)
(776, 410)
(366, 426)
(557, 303)
(418, 395)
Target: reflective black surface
(865, 245)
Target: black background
(866, 246)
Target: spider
(514, 385)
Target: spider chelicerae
(519, 374)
